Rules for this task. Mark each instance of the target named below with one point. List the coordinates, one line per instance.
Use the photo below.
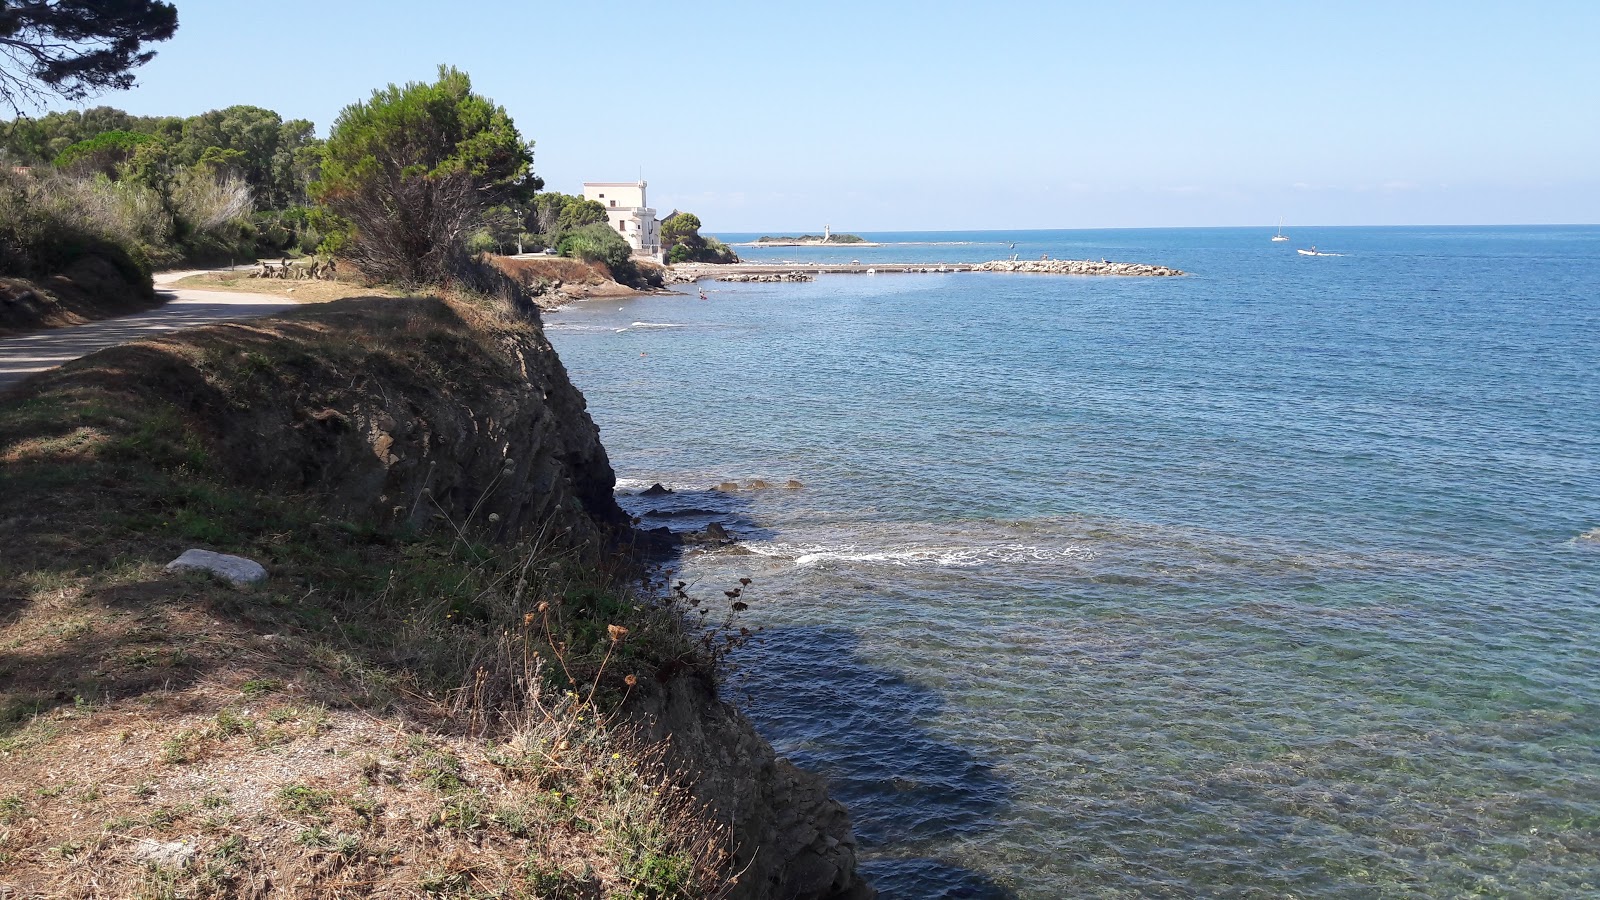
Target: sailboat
(1280, 236)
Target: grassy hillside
(425, 697)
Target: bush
(597, 243)
(50, 219)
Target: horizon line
(791, 231)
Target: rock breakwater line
(688, 273)
(767, 277)
(1075, 267)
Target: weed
(12, 807)
(183, 747)
(229, 723)
(440, 770)
(346, 845)
(144, 790)
(122, 823)
(303, 800)
(229, 849)
(164, 817)
(462, 814)
(257, 687)
(438, 883)
(365, 808)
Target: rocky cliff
(330, 444)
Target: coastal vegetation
(413, 170)
(680, 234)
(91, 202)
(813, 239)
(455, 679)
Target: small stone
(163, 853)
(234, 569)
(655, 490)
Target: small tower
(827, 233)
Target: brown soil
(92, 288)
(304, 291)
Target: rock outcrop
(794, 840)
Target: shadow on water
(819, 703)
(811, 694)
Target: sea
(1281, 578)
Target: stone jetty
(686, 273)
(767, 277)
(1075, 267)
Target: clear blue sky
(933, 115)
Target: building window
(622, 226)
(613, 203)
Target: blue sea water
(1265, 581)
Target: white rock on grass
(164, 853)
(235, 569)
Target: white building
(627, 212)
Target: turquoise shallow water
(1264, 581)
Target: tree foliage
(678, 227)
(278, 159)
(103, 153)
(75, 48)
(680, 233)
(414, 168)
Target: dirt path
(30, 353)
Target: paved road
(30, 353)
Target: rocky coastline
(331, 430)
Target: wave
(656, 325)
(921, 556)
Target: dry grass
(304, 291)
(392, 713)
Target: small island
(805, 240)
(811, 240)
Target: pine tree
(76, 48)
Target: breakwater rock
(1074, 267)
(767, 277)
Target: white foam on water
(804, 556)
(656, 325)
(635, 485)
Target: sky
(883, 116)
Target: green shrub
(597, 243)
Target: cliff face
(793, 839)
(364, 421)
(426, 418)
